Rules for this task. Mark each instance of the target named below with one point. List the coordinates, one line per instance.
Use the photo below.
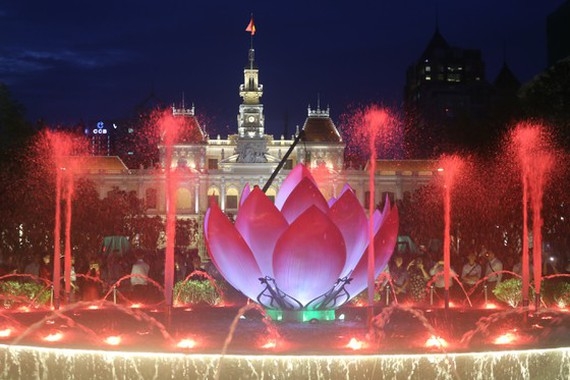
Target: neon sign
(100, 130)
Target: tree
(547, 97)
(14, 130)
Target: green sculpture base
(301, 315)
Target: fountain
(450, 165)
(536, 160)
(270, 251)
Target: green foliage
(195, 292)
(14, 129)
(362, 297)
(15, 293)
(510, 292)
(546, 97)
(561, 294)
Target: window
(150, 198)
(232, 199)
(366, 199)
(212, 164)
(389, 195)
(183, 199)
(214, 195)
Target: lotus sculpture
(300, 252)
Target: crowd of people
(416, 278)
(131, 272)
(419, 278)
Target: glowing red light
(507, 338)
(356, 344)
(113, 340)
(490, 305)
(5, 333)
(54, 337)
(436, 342)
(186, 343)
(271, 343)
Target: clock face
(251, 119)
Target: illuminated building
(220, 167)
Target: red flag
(250, 27)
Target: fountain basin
(19, 362)
(320, 350)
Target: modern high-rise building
(558, 34)
(447, 97)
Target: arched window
(232, 199)
(214, 193)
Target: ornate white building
(215, 167)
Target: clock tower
(251, 143)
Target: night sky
(70, 61)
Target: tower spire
(251, 144)
(251, 29)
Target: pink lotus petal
(384, 243)
(309, 256)
(296, 175)
(331, 202)
(345, 188)
(244, 194)
(230, 253)
(305, 195)
(261, 224)
(349, 217)
(378, 218)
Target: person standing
(418, 278)
(139, 277)
(471, 271)
(399, 275)
(493, 270)
(46, 268)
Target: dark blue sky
(67, 61)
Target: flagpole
(251, 29)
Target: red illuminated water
(59, 149)
(536, 161)
(200, 274)
(451, 166)
(69, 189)
(169, 128)
(378, 124)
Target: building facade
(220, 168)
